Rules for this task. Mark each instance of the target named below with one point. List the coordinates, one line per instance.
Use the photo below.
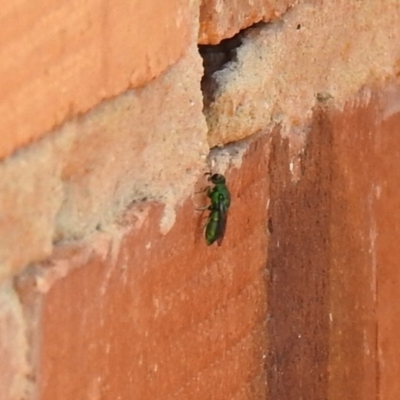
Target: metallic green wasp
(220, 201)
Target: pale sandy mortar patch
(14, 366)
(332, 49)
(31, 194)
(149, 143)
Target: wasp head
(217, 179)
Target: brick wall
(111, 114)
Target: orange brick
(223, 19)
(157, 316)
(168, 317)
(79, 178)
(385, 251)
(353, 354)
(59, 59)
(332, 257)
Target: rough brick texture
(331, 257)
(151, 316)
(274, 73)
(107, 288)
(59, 59)
(146, 316)
(15, 362)
(88, 171)
(222, 19)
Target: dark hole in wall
(217, 57)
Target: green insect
(220, 201)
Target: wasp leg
(206, 189)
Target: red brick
(223, 19)
(353, 353)
(168, 317)
(385, 250)
(298, 268)
(59, 59)
(332, 258)
(158, 316)
(85, 174)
